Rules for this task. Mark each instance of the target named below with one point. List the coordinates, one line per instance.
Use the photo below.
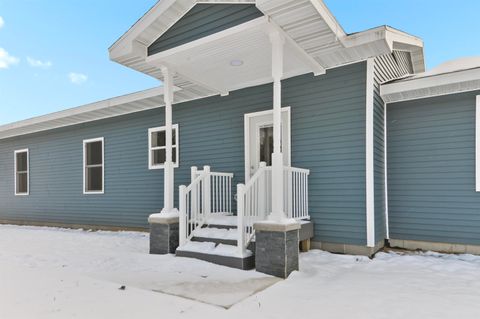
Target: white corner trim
(385, 173)
(369, 156)
(85, 142)
(477, 144)
(177, 146)
(25, 150)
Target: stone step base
(245, 263)
(221, 254)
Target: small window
(93, 166)
(157, 147)
(22, 169)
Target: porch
(217, 220)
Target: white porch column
(168, 188)
(278, 42)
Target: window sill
(161, 167)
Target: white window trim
(150, 149)
(477, 144)
(85, 142)
(25, 150)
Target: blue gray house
(270, 119)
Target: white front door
(259, 139)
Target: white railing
(254, 202)
(193, 205)
(220, 190)
(209, 192)
(295, 190)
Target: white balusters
(296, 192)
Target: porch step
(221, 254)
(222, 220)
(226, 236)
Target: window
(93, 166)
(157, 147)
(22, 169)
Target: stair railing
(209, 192)
(253, 204)
(194, 205)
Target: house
(272, 125)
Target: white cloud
(2, 22)
(38, 63)
(6, 59)
(77, 78)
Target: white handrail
(253, 204)
(193, 206)
(209, 192)
(254, 200)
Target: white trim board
(247, 118)
(25, 150)
(177, 146)
(85, 142)
(477, 144)
(369, 156)
(385, 160)
(419, 87)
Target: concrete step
(220, 254)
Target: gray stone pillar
(163, 233)
(276, 248)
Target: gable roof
(308, 23)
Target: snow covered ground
(57, 273)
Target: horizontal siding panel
(204, 20)
(431, 173)
(328, 137)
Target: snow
(159, 217)
(217, 233)
(222, 219)
(456, 65)
(57, 273)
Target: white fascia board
(121, 45)
(329, 18)
(421, 84)
(97, 106)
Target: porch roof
(313, 35)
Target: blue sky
(53, 53)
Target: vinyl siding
(431, 170)
(328, 137)
(203, 20)
(386, 68)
